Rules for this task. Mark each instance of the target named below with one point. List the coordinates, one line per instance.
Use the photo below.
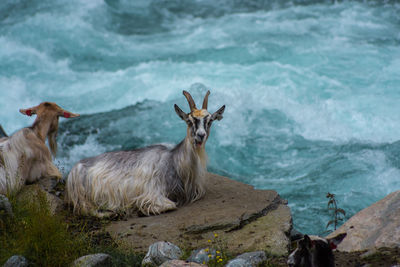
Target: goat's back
(115, 179)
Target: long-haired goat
(153, 179)
(314, 251)
(24, 156)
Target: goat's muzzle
(199, 139)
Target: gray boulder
(180, 263)
(5, 207)
(238, 263)
(374, 227)
(250, 259)
(16, 261)
(202, 255)
(93, 260)
(161, 252)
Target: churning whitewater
(311, 88)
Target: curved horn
(205, 101)
(189, 98)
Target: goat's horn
(205, 101)
(189, 98)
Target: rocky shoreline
(232, 220)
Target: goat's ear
(334, 241)
(28, 111)
(218, 114)
(305, 243)
(180, 113)
(67, 114)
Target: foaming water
(311, 87)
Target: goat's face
(199, 121)
(301, 256)
(314, 252)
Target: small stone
(93, 260)
(5, 207)
(180, 263)
(250, 259)
(238, 263)
(161, 252)
(202, 255)
(368, 253)
(16, 261)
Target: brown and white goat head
(24, 156)
(314, 251)
(199, 121)
(46, 123)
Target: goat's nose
(201, 135)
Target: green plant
(56, 240)
(336, 213)
(38, 235)
(220, 257)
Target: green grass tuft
(54, 240)
(40, 237)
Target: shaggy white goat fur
(153, 179)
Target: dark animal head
(313, 251)
(199, 121)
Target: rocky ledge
(374, 227)
(243, 218)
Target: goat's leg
(158, 204)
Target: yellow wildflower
(215, 235)
(209, 241)
(218, 252)
(207, 249)
(209, 255)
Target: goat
(314, 251)
(152, 179)
(24, 156)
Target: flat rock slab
(242, 218)
(374, 227)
